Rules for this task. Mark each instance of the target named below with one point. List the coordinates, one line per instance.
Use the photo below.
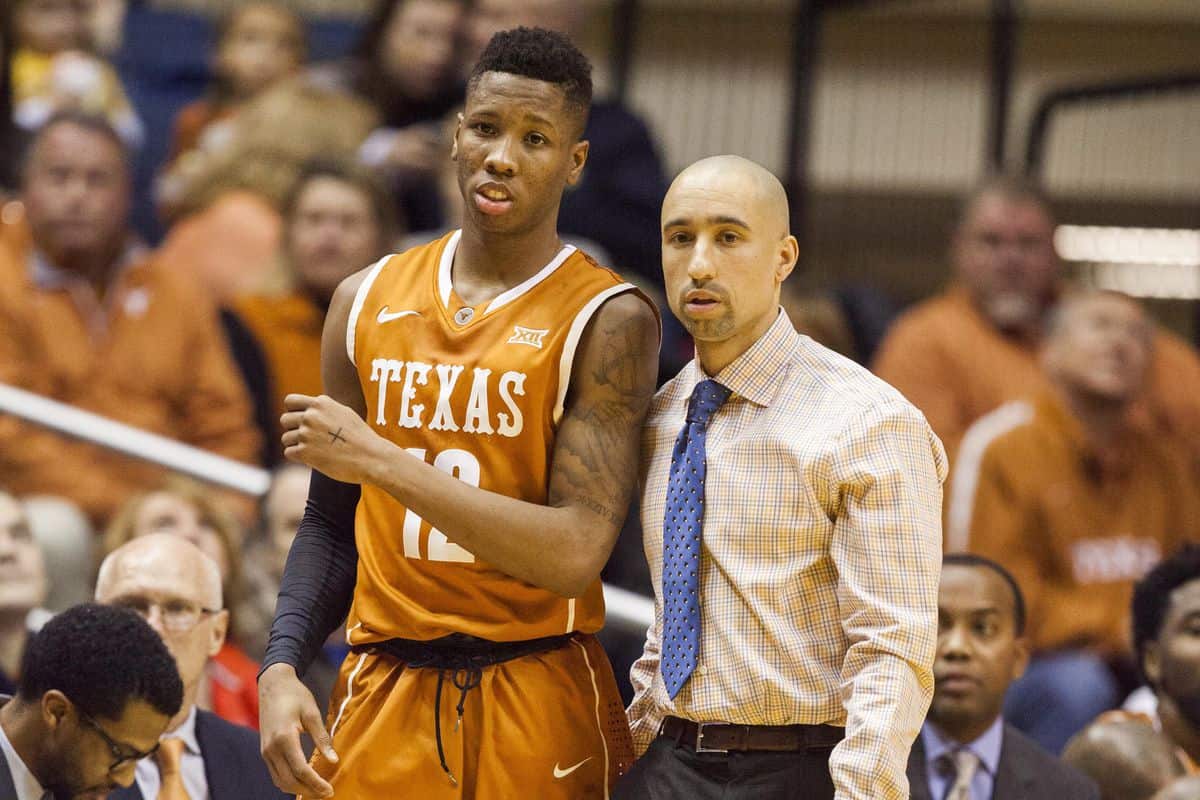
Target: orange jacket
(151, 355)
(953, 364)
(1077, 527)
(288, 327)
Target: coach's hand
(287, 707)
(331, 438)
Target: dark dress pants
(672, 771)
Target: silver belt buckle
(700, 748)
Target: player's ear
(579, 154)
(454, 141)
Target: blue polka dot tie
(683, 523)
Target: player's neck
(491, 260)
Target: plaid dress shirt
(820, 561)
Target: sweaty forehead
(504, 92)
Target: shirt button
(701, 670)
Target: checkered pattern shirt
(820, 563)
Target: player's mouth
(493, 199)
(701, 303)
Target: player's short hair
(542, 55)
(101, 657)
(973, 560)
(1152, 596)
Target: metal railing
(627, 610)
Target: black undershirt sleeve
(318, 580)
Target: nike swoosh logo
(384, 316)
(562, 773)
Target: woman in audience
(228, 206)
(185, 508)
(22, 587)
(406, 65)
(337, 220)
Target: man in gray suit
(965, 751)
(96, 690)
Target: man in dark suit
(177, 588)
(96, 690)
(965, 751)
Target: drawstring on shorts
(464, 680)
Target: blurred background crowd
(183, 183)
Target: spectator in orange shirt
(1078, 501)
(337, 220)
(974, 347)
(90, 320)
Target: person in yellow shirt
(53, 69)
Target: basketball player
(486, 392)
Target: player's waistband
(460, 651)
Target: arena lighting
(1143, 262)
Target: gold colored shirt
(820, 561)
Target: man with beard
(974, 347)
(790, 507)
(97, 689)
(965, 751)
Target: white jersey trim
(446, 282)
(969, 463)
(567, 361)
(349, 694)
(599, 726)
(445, 285)
(360, 297)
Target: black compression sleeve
(318, 580)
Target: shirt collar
(187, 732)
(986, 747)
(26, 785)
(754, 374)
(45, 274)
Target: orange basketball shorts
(549, 726)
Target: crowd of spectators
(1071, 419)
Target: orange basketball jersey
(477, 392)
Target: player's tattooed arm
(596, 458)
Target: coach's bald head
(726, 250)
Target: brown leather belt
(721, 737)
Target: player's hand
(286, 708)
(330, 437)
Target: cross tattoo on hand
(336, 437)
